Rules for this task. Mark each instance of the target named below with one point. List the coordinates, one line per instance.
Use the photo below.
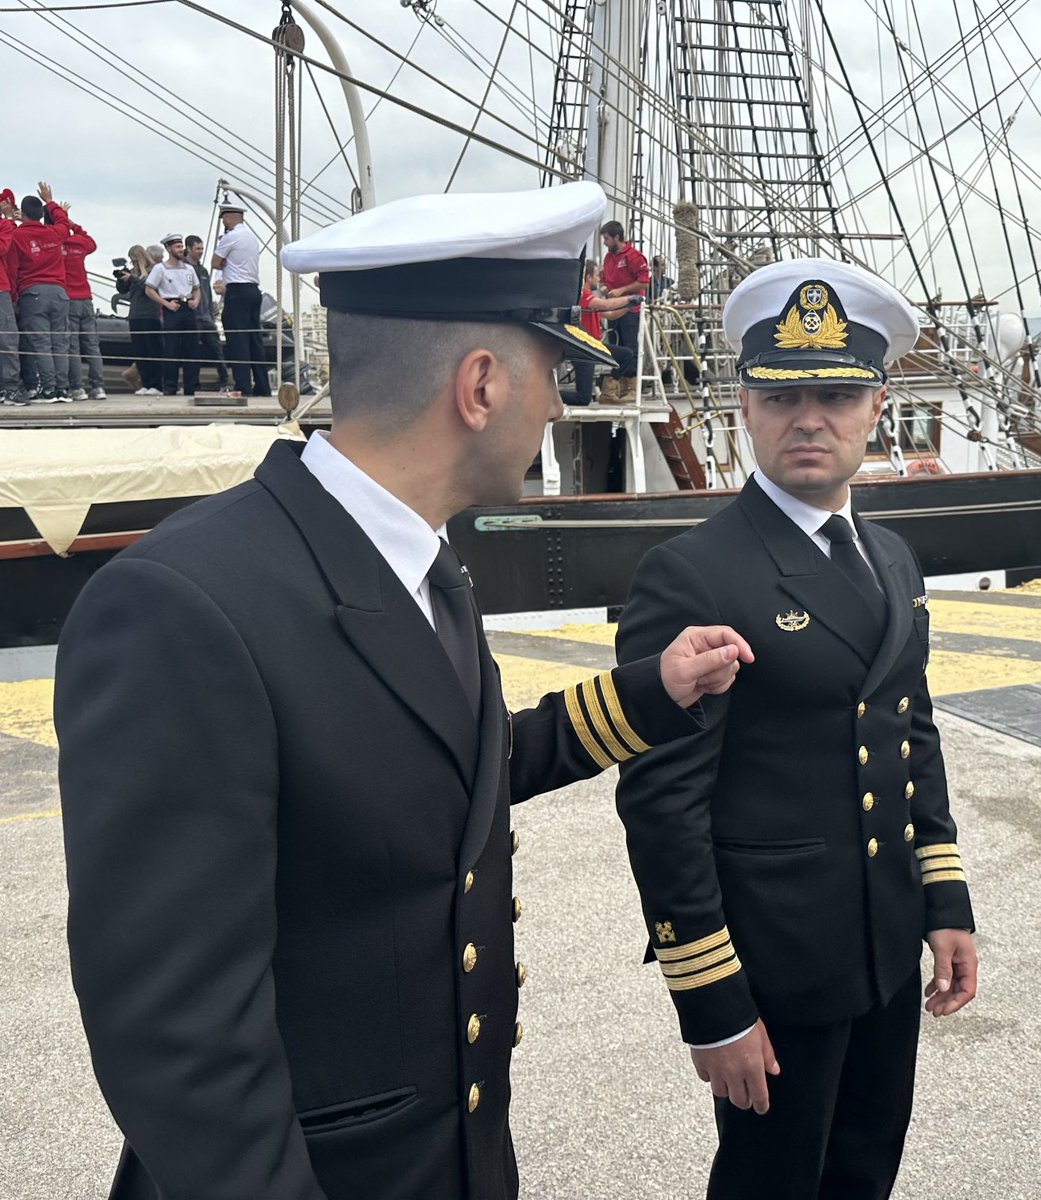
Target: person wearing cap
(291, 911)
(174, 286)
(792, 860)
(36, 273)
(10, 392)
(237, 257)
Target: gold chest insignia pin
(664, 931)
(792, 621)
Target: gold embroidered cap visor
(812, 341)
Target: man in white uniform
(237, 255)
(174, 286)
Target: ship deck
(602, 1084)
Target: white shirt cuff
(725, 1042)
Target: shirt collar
(398, 532)
(808, 517)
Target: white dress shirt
(398, 532)
(241, 250)
(810, 519)
(173, 281)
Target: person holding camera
(174, 286)
(146, 329)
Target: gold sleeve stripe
(943, 877)
(674, 953)
(939, 848)
(939, 864)
(688, 982)
(585, 734)
(624, 730)
(595, 710)
(697, 964)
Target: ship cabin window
(920, 427)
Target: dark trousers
(838, 1114)
(585, 372)
(180, 348)
(245, 353)
(211, 351)
(146, 341)
(627, 330)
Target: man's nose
(809, 415)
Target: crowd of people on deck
(49, 343)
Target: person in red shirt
(36, 270)
(9, 389)
(594, 308)
(83, 324)
(625, 274)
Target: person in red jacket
(83, 325)
(625, 274)
(36, 270)
(594, 309)
(9, 390)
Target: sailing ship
(727, 134)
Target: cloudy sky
(99, 103)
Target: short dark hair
(192, 239)
(590, 267)
(613, 229)
(32, 208)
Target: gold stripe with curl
(938, 848)
(596, 712)
(614, 708)
(581, 728)
(689, 949)
(691, 965)
(689, 982)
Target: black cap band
(458, 289)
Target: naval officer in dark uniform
(791, 860)
(286, 765)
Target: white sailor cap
(815, 321)
(502, 257)
(231, 206)
(172, 237)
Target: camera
(120, 267)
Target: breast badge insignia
(792, 621)
(664, 931)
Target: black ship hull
(563, 552)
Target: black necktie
(846, 556)
(455, 620)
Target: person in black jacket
(792, 859)
(286, 765)
(146, 329)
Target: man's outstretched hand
(704, 658)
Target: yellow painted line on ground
(526, 680)
(33, 816)
(25, 710)
(953, 672)
(597, 635)
(985, 620)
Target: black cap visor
(577, 342)
(814, 370)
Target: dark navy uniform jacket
(289, 858)
(791, 858)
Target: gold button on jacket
(469, 957)
(908, 832)
(905, 749)
(518, 908)
(468, 882)
(522, 974)
(863, 755)
(868, 803)
(861, 709)
(474, 1098)
(909, 790)
(904, 705)
(473, 1028)
(514, 841)
(518, 1033)
(872, 847)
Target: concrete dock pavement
(606, 1103)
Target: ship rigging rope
(237, 144)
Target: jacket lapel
(818, 587)
(897, 589)
(381, 620)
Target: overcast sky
(127, 183)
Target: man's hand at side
(703, 659)
(955, 965)
(737, 1071)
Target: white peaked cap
(866, 322)
(556, 222)
(511, 257)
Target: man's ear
(742, 396)
(877, 401)
(479, 382)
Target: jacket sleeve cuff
(947, 904)
(652, 712)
